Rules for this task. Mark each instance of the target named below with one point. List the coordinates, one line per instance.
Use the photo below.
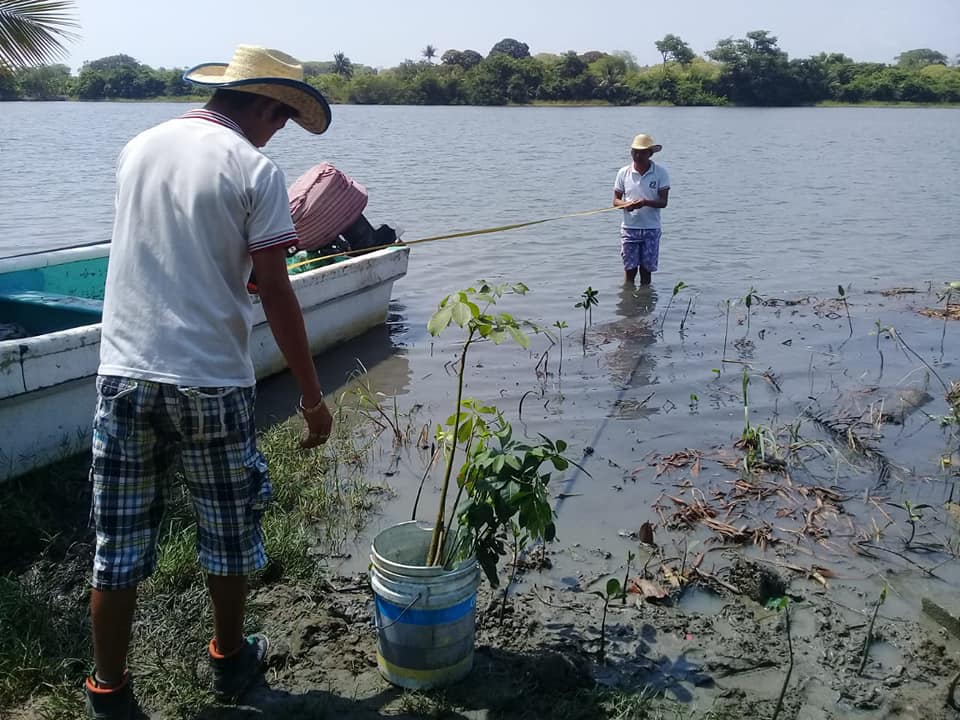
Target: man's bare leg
(645, 277)
(228, 594)
(111, 612)
(629, 276)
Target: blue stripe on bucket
(390, 612)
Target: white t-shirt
(194, 199)
(635, 186)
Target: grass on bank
(321, 499)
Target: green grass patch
(45, 639)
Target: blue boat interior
(59, 297)
(53, 298)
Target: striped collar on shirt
(215, 117)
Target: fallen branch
(546, 602)
(713, 578)
(917, 565)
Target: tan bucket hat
(272, 73)
(645, 142)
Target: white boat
(53, 301)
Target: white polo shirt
(635, 186)
(194, 199)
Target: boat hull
(47, 388)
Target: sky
(382, 33)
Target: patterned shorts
(142, 433)
(640, 248)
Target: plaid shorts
(640, 248)
(145, 431)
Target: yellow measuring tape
(465, 233)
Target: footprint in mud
(668, 677)
(759, 583)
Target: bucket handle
(378, 628)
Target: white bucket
(425, 616)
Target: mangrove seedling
(746, 404)
(726, 330)
(914, 516)
(945, 297)
(463, 308)
(676, 291)
(783, 605)
(504, 482)
(879, 351)
(587, 300)
(686, 313)
(560, 325)
(626, 575)
(611, 591)
(869, 638)
(755, 439)
(843, 297)
(748, 301)
(519, 540)
(501, 478)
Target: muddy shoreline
(762, 452)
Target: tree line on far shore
(745, 71)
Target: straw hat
(645, 142)
(267, 72)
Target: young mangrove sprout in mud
(879, 351)
(588, 300)
(945, 297)
(626, 576)
(748, 301)
(726, 331)
(746, 404)
(686, 313)
(843, 297)
(611, 591)
(755, 439)
(560, 325)
(869, 638)
(676, 291)
(783, 605)
(914, 516)
(520, 539)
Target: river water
(789, 203)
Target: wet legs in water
(630, 276)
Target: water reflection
(378, 350)
(630, 362)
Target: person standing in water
(641, 189)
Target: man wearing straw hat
(641, 189)
(197, 207)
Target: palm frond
(32, 32)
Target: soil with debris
(538, 656)
(542, 659)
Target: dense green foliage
(746, 71)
